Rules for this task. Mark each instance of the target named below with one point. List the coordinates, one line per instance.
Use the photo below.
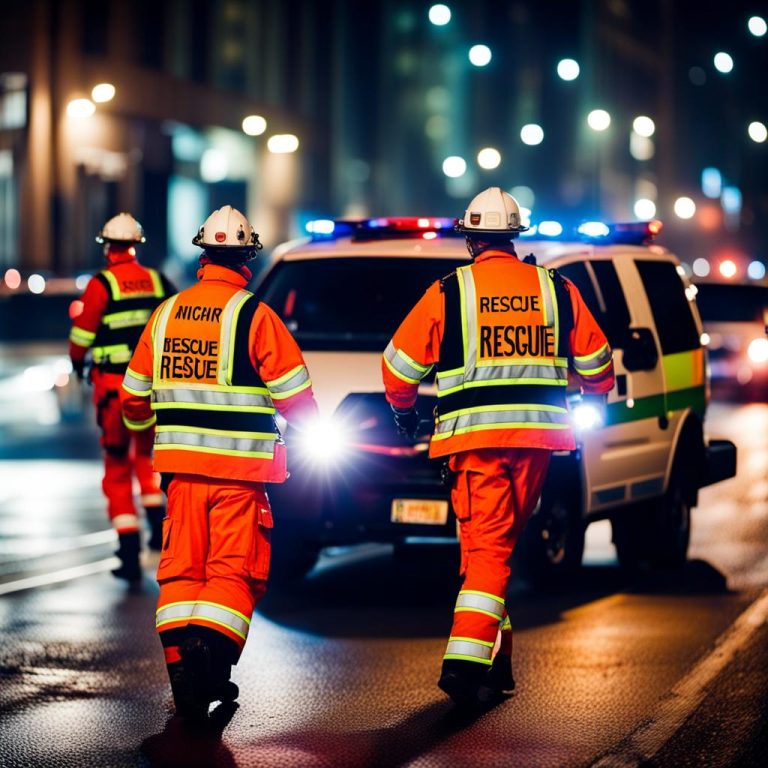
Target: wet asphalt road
(341, 669)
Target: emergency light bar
(628, 233)
(388, 227)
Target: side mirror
(640, 353)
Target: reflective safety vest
(215, 415)
(503, 367)
(132, 297)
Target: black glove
(406, 421)
(78, 366)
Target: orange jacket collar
(217, 272)
(121, 257)
(491, 254)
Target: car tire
(655, 533)
(551, 547)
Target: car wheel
(552, 545)
(669, 545)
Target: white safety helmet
(227, 229)
(122, 228)
(493, 212)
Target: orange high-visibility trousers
(215, 558)
(126, 454)
(494, 492)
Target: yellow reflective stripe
(290, 384)
(227, 335)
(127, 319)
(219, 441)
(291, 392)
(157, 283)
(399, 375)
(137, 392)
(591, 356)
(496, 417)
(81, 337)
(506, 624)
(591, 371)
(136, 375)
(234, 612)
(516, 407)
(487, 595)
(113, 284)
(495, 382)
(158, 333)
(207, 407)
(423, 369)
(403, 365)
(223, 432)
(217, 451)
(469, 319)
(115, 353)
(139, 426)
(549, 302)
(275, 383)
(498, 425)
(184, 395)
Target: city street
(340, 670)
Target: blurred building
(390, 110)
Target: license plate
(420, 511)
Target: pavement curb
(647, 740)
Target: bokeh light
(532, 134)
(454, 166)
(684, 208)
(480, 55)
(524, 195)
(80, 108)
(439, 15)
(103, 92)
(488, 158)
(644, 209)
(254, 125)
(723, 62)
(728, 268)
(598, 120)
(644, 126)
(757, 26)
(282, 143)
(568, 69)
(12, 278)
(36, 283)
(700, 267)
(757, 132)
(756, 270)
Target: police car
(641, 459)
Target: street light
(568, 69)
(685, 208)
(80, 108)
(757, 132)
(254, 125)
(598, 120)
(103, 92)
(439, 15)
(757, 26)
(480, 55)
(488, 158)
(723, 62)
(532, 134)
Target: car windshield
(349, 303)
(727, 303)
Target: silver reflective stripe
(121, 522)
(215, 442)
(593, 362)
(222, 616)
(135, 384)
(547, 289)
(465, 647)
(404, 365)
(469, 312)
(174, 613)
(509, 416)
(227, 335)
(180, 396)
(297, 380)
(520, 374)
(475, 601)
(158, 336)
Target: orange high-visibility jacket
(117, 303)
(213, 366)
(503, 335)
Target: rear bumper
(720, 462)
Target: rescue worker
(504, 335)
(116, 305)
(214, 365)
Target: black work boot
(155, 517)
(499, 676)
(467, 684)
(128, 552)
(191, 680)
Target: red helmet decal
(220, 237)
(474, 219)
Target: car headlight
(586, 416)
(323, 441)
(757, 351)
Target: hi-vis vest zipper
(503, 367)
(124, 319)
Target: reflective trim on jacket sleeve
(137, 384)
(81, 337)
(290, 384)
(403, 366)
(589, 365)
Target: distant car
(344, 292)
(36, 381)
(734, 317)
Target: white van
(344, 291)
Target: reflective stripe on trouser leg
(125, 523)
(469, 649)
(505, 636)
